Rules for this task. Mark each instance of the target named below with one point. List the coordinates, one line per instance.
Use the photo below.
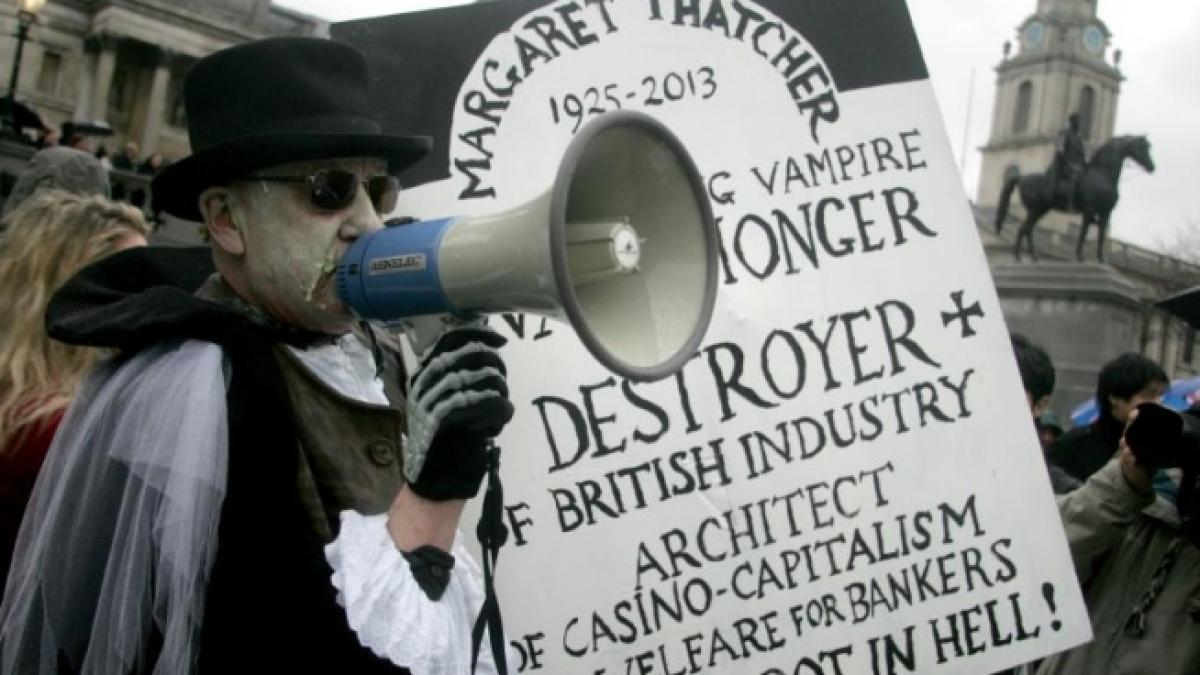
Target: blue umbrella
(1181, 395)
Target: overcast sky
(962, 41)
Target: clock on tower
(1093, 40)
(1034, 35)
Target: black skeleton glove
(458, 401)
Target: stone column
(1007, 107)
(1060, 105)
(106, 63)
(153, 125)
(1108, 111)
(87, 82)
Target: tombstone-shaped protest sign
(844, 478)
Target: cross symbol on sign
(962, 314)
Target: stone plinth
(1082, 314)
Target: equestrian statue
(1073, 186)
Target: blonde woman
(45, 241)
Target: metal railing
(132, 187)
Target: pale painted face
(293, 247)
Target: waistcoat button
(382, 452)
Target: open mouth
(322, 281)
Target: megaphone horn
(623, 246)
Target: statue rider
(1068, 160)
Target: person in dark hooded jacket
(1038, 378)
(1123, 383)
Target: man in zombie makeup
(229, 491)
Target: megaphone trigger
(423, 332)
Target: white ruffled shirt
(390, 613)
(385, 606)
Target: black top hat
(273, 101)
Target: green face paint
(328, 265)
(292, 248)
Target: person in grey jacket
(61, 168)
(1139, 567)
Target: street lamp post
(26, 17)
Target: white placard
(845, 478)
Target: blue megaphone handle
(392, 274)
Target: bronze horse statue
(1095, 193)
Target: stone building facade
(123, 61)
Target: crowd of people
(127, 159)
(126, 162)
(295, 507)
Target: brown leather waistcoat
(350, 452)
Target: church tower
(1061, 66)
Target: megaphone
(623, 247)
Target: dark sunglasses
(335, 189)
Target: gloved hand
(1161, 438)
(457, 402)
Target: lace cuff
(389, 612)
